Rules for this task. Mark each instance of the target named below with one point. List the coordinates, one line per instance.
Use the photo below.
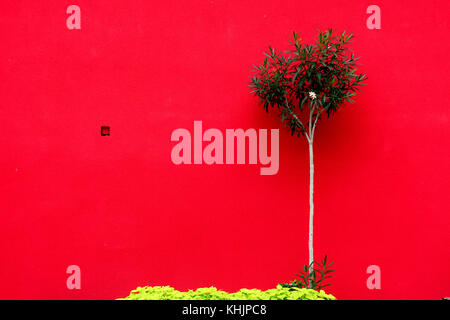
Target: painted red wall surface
(121, 210)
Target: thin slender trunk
(311, 211)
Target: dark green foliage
(286, 79)
(320, 272)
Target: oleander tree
(305, 83)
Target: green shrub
(312, 276)
(211, 293)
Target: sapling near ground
(304, 83)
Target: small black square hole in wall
(104, 131)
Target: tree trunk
(311, 212)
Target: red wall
(121, 210)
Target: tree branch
(310, 119)
(299, 122)
(315, 122)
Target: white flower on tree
(312, 95)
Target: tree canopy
(314, 77)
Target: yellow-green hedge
(211, 293)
